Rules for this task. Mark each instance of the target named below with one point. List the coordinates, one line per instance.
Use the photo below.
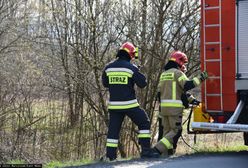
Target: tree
(52, 53)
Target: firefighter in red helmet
(119, 77)
(187, 99)
(130, 49)
(173, 85)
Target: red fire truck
(224, 55)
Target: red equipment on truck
(224, 45)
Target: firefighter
(172, 87)
(119, 77)
(187, 99)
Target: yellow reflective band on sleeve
(119, 107)
(144, 136)
(119, 74)
(167, 76)
(114, 145)
(173, 90)
(171, 104)
(182, 77)
(166, 143)
(196, 81)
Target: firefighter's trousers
(139, 117)
(172, 129)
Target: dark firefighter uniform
(120, 77)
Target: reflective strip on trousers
(123, 104)
(167, 143)
(144, 131)
(144, 134)
(112, 143)
(112, 140)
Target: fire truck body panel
(224, 45)
(218, 55)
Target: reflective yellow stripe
(196, 81)
(118, 80)
(171, 105)
(172, 59)
(127, 50)
(167, 76)
(114, 145)
(119, 70)
(144, 136)
(119, 74)
(182, 77)
(166, 143)
(114, 107)
(136, 52)
(173, 90)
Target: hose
(188, 130)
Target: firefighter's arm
(192, 99)
(184, 82)
(105, 81)
(185, 100)
(139, 79)
(190, 84)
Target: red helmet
(130, 49)
(179, 57)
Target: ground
(206, 160)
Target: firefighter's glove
(203, 75)
(195, 102)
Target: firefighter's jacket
(120, 77)
(172, 85)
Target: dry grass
(207, 142)
(211, 143)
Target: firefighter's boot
(149, 153)
(107, 159)
(171, 152)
